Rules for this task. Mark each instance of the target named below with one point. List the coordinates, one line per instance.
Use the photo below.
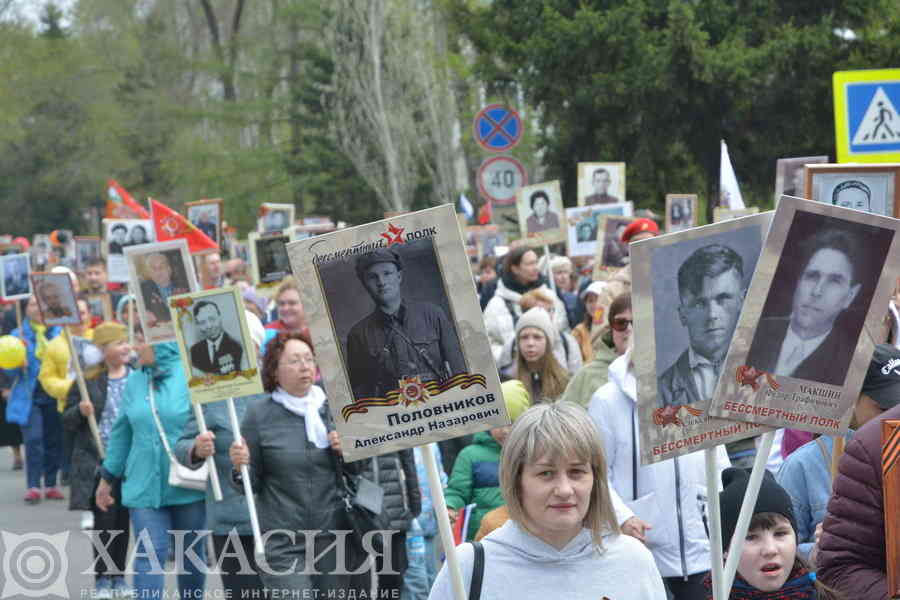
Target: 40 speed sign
(499, 177)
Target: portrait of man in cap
(400, 338)
(711, 290)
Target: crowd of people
(556, 503)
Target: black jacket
(221, 364)
(85, 458)
(396, 474)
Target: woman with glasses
(294, 463)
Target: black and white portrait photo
(269, 258)
(120, 234)
(612, 252)
(601, 183)
(819, 299)
(16, 270)
(206, 215)
(87, 249)
(215, 351)
(584, 223)
(698, 291)
(161, 270)
(396, 321)
(56, 298)
(681, 210)
(275, 217)
(790, 176)
(867, 188)
(541, 213)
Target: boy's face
(500, 433)
(768, 556)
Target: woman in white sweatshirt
(562, 540)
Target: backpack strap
(511, 307)
(477, 572)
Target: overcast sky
(31, 9)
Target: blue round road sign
(497, 128)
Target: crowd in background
(560, 482)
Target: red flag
(485, 213)
(120, 204)
(170, 225)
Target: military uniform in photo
(400, 338)
(217, 357)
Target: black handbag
(355, 493)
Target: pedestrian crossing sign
(866, 118)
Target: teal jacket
(476, 480)
(135, 452)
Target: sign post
(866, 121)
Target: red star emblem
(394, 235)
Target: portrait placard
(55, 298)
(40, 250)
(688, 289)
(15, 280)
(274, 217)
(612, 252)
(601, 183)
(583, 225)
(681, 212)
(87, 249)
(790, 175)
(869, 188)
(540, 211)
(206, 215)
(119, 234)
(158, 272)
(100, 306)
(726, 214)
(269, 260)
(798, 358)
(485, 238)
(398, 333)
(217, 351)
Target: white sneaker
(87, 519)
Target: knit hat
(557, 263)
(882, 382)
(536, 317)
(516, 398)
(109, 332)
(772, 498)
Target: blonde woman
(535, 364)
(562, 540)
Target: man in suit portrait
(711, 292)
(217, 353)
(600, 182)
(161, 285)
(809, 343)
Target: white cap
(596, 287)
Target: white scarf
(307, 407)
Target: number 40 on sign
(499, 177)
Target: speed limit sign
(499, 177)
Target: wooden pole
(210, 460)
(258, 547)
(82, 390)
(130, 317)
(836, 453)
(443, 519)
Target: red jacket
(851, 549)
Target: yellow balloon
(12, 352)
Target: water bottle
(415, 544)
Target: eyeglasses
(296, 362)
(621, 325)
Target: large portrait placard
(540, 210)
(584, 225)
(799, 355)
(612, 252)
(398, 333)
(55, 298)
(158, 272)
(688, 290)
(269, 260)
(217, 352)
(206, 215)
(119, 234)
(15, 270)
(601, 183)
(869, 188)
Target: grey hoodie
(519, 565)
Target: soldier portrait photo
(601, 183)
(206, 215)
(681, 210)
(392, 315)
(822, 288)
(87, 248)
(16, 270)
(160, 271)
(269, 258)
(860, 187)
(612, 252)
(56, 298)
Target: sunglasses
(621, 325)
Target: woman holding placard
(294, 467)
(155, 402)
(562, 540)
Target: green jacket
(591, 376)
(476, 480)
